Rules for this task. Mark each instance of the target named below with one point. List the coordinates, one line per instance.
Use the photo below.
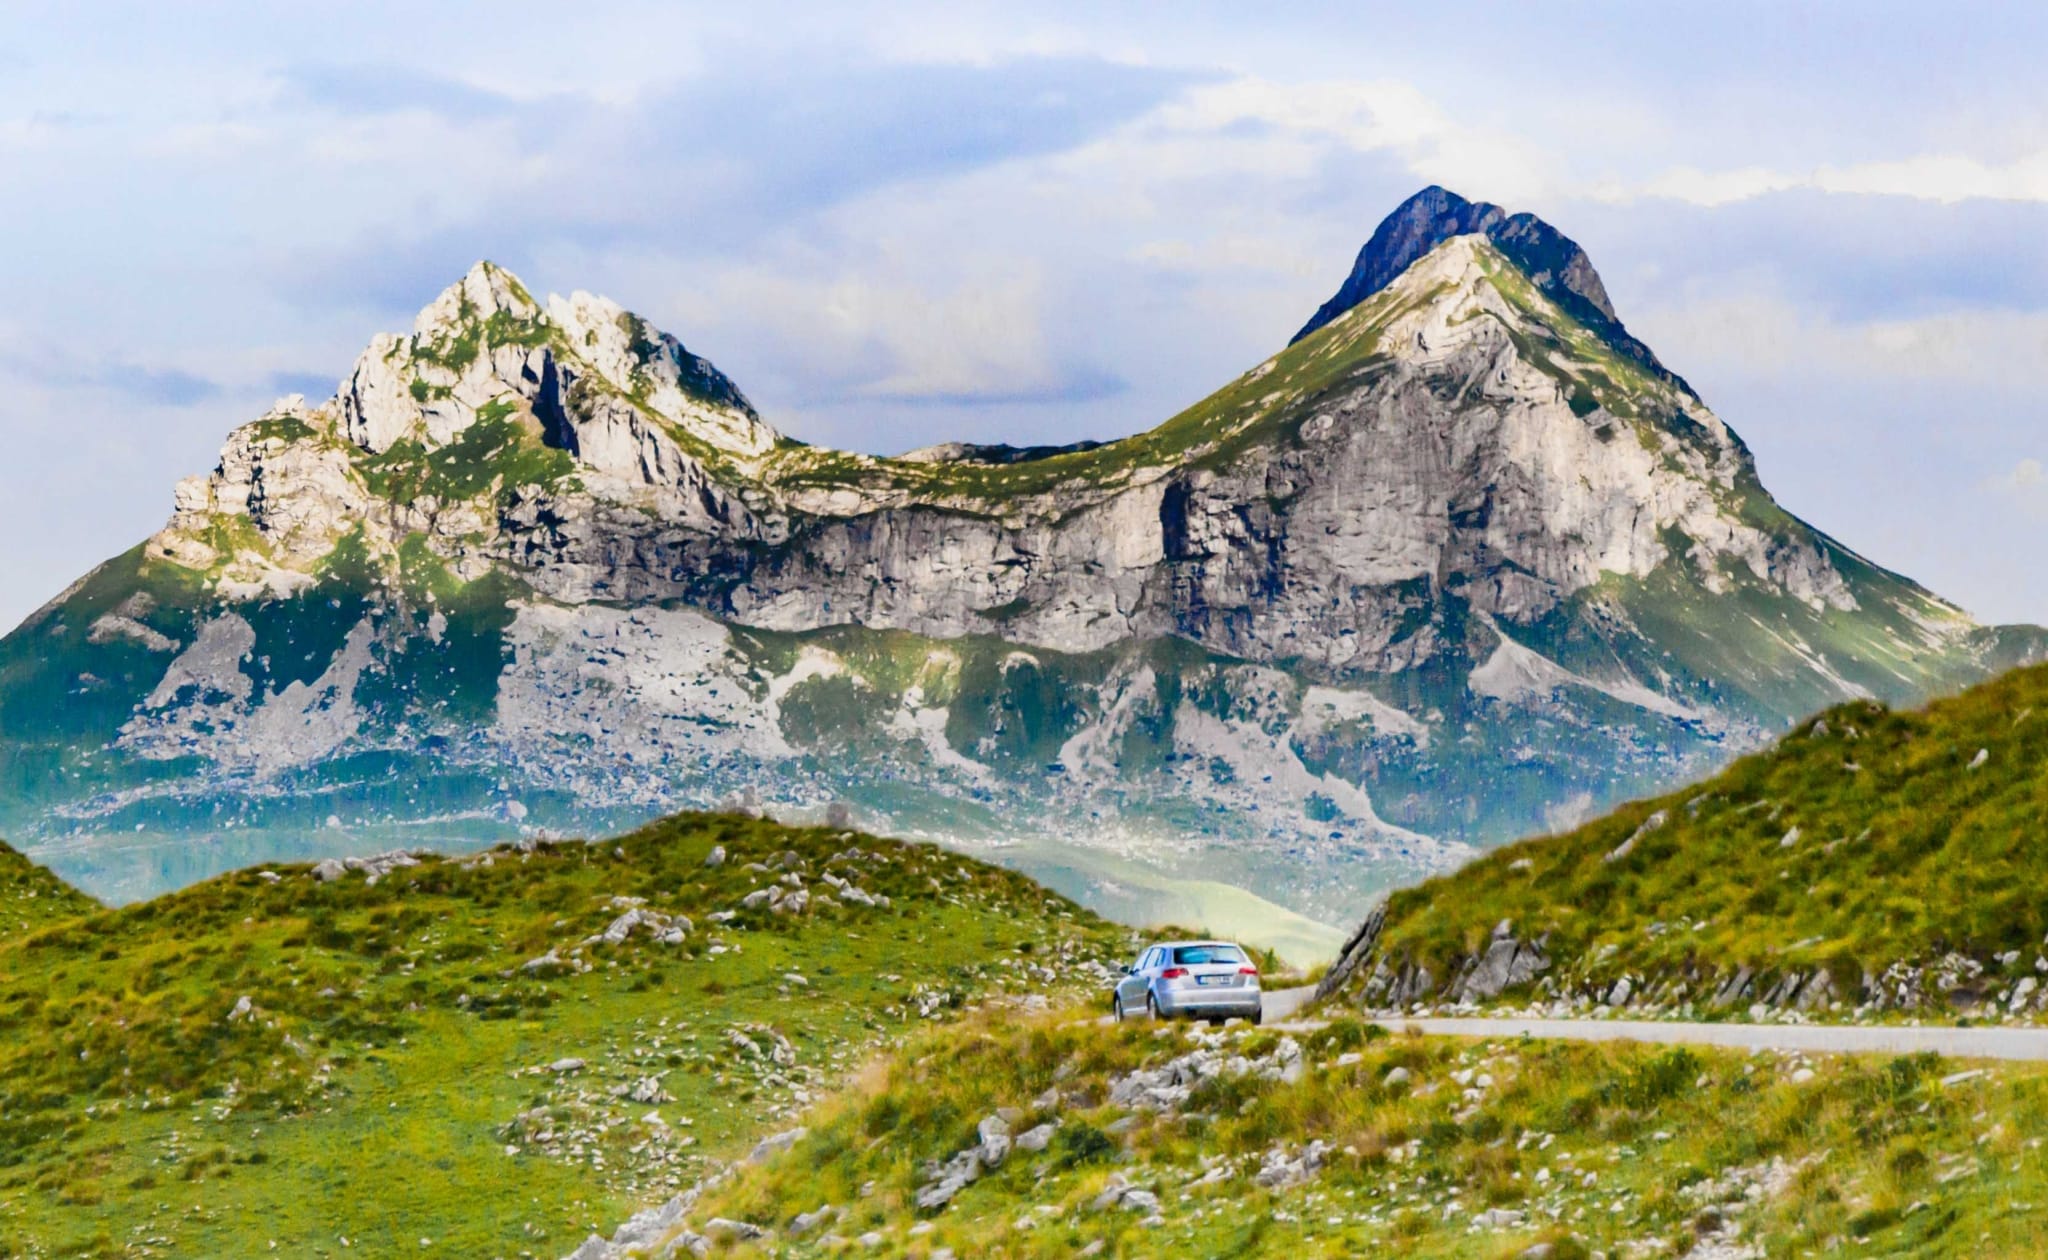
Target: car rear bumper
(1209, 1002)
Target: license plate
(1216, 979)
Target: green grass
(32, 898)
(287, 429)
(390, 1084)
(499, 451)
(1865, 837)
(1615, 1149)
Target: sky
(907, 224)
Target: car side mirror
(1130, 971)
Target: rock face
(1552, 261)
(1463, 561)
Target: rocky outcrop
(1523, 975)
(1507, 963)
(1551, 260)
(1357, 951)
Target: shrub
(1078, 1142)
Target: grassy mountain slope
(1265, 405)
(33, 898)
(1864, 840)
(1474, 1149)
(453, 1052)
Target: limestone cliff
(1461, 562)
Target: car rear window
(1196, 955)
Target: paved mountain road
(1954, 1043)
(1277, 1004)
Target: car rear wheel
(1151, 1007)
(1259, 1016)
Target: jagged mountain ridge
(1455, 566)
(1552, 261)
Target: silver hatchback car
(1203, 979)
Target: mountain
(269, 1061)
(1871, 859)
(1460, 564)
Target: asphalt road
(1956, 1043)
(1277, 1005)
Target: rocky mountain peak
(486, 339)
(1553, 262)
(485, 290)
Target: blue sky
(898, 225)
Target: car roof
(1188, 944)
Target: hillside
(484, 1055)
(1870, 857)
(1065, 1138)
(32, 898)
(1463, 563)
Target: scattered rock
(1626, 847)
(648, 1091)
(1037, 1139)
(719, 1229)
(1279, 1169)
(809, 1221)
(771, 1146)
(995, 1141)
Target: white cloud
(1305, 119)
(887, 329)
(1509, 164)
(2025, 485)
(1940, 177)
(1762, 333)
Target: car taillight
(1247, 971)
(1173, 973)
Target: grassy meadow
(451, 1058)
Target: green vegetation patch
(455, 1051)
(290, 430)
(500, 450)
(32, 898)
